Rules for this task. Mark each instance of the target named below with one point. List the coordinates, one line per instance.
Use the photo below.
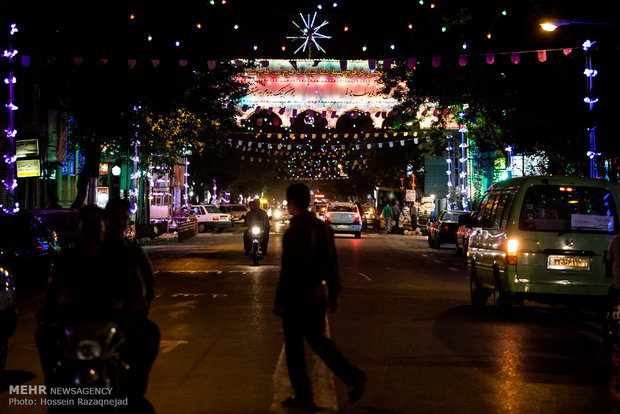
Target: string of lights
(10, 158)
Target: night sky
(106, 29)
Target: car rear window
(569, 208)
(346, 209)
(238, 208)
(451, 216)
(212, 209)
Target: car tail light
(215, 218)
(327, 215)
(357, 219)
(445, 227)
(512, 248)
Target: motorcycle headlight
(88, 349)
(256, 230)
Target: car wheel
(437, 243)
(477, 295)
(500, 299)
(358, 235)
(431, 242)
(202, 227)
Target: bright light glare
(548, 27)
(255, 230)
(512, 246)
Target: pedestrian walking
(387, 215)
(309, 284)
(396, 216)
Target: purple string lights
(10, 158)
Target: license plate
(568, 263)
(342, 226)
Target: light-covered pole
(10, 158)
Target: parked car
(462, 234)
(443, 229)
(237, 212)
(64, 222)
(28, 248)
(209, 217)
(543, 239)
(368, 216)
(281, 213)
(344, 218)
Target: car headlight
(277, 214)
(256, 230)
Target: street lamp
(550, 25)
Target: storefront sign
(103, 168)
(27, 148)
(28, 168)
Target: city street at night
(404, 318)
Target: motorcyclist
(256, 217)
(95, 281)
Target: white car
(207, 215)
(237, 211)
(344, 218)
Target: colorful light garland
(10, 158)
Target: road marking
(454, 269)
(167, 345)
(218, 272)
(323, 385)
(365, 276)
(187, 295)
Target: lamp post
(551, 25)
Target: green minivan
(543, 239)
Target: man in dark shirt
(309, 284)
(256, 217)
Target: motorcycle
(85, 354)
(256, 252)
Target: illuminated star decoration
(309, 33)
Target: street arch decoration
(321, 86)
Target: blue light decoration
(10, 158)
(309, 34)
(463, 164)
(591, 100)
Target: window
(212, 209)
(339, 208)
(564, 208)
(500, 218)
(486, 211)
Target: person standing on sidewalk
(387, 215)
(309, 284)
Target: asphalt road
(404, 318)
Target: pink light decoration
(515, 58)
(436, 61)
(491, 58)
(462, 60)
(542, 55)
(211, 64)
(567, 51)
(411, 63)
